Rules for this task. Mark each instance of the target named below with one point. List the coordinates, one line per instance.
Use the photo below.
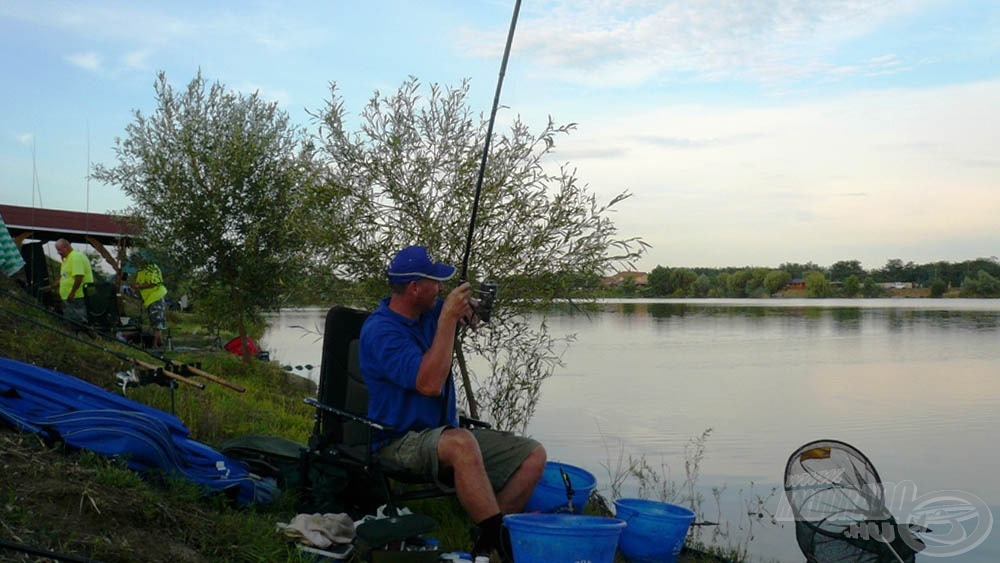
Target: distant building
(639, 278)
(896, 285)
(796, 283)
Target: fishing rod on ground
(44, 553)
(487, 292)
(156, 371)
(184, 369)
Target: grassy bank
(80, 504)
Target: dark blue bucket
(550, 493)
(563, 538)
(655, 532)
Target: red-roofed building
(96, 229)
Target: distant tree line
(846, 278)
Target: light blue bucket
(655, 532)
(563, 538)
(550, 492)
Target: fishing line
(486, 144)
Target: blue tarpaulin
(61, 407)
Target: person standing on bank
(149, 283)
(74, 273)
(406, 359)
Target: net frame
(838, 501)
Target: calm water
(914, 384)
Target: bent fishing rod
(92, 344)
(169, 362)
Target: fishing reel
(484, 298)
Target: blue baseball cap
(414, 263)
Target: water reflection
(848, 318)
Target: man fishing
(74, 273)
(406, 358)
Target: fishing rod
(31, 550)
(183, 368)
(486, 145)
(119, 355)
(488, 290)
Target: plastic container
(563, 538)
(655, 532)
(550, 493)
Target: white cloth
(320, 530)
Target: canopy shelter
(96, 229)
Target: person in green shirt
(73, 274)
(149, 283)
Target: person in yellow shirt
(73, 274)
(149, 283)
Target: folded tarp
(61, 407)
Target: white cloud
(598, 42)
(137, 60)
(25, 139)
(87, 61)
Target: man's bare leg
(459, 450)
(515, 494)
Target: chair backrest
(36, 267)
(336, 386)
(101, 299)
(356, 398)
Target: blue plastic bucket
(550, 493)
(563, 538)
(655, 532)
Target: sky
(748, 133)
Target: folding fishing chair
(343, 432)
(104, 315)
(36, 270)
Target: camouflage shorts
(158, 315)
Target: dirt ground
(54, 502)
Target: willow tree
(407, 175)
(216, 177)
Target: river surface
(913, 384)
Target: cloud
(630, 42)
(691, 143)
(137, 60)
(87, 61)
(25, 139)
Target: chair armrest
(344, 415)
(469, 422)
